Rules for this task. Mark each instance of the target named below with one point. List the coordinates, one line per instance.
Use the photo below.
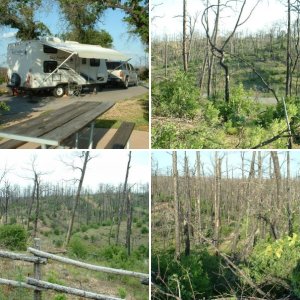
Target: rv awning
(88, 51)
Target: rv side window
(94, 62)
(48, 49)
(83, 61)
(50, 66)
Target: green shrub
(177, 96)
(53, 278)
(277, 259)
(85, 237)
(197, 275)
(56, 231)
(122, 293)
(139, 224)
(241, 108)
(93, 239)
(84, 228)
(13, 237)
(144, 230)
(78, 248)
(163, 135)
(143, 73)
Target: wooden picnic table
(52, 128)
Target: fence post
(37, 270)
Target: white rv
(52, 64)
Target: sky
(164, 160)
(107, 167)
(111, 22)
(165, 22)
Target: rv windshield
(114, 65)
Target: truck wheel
(125, 84)
(59, 91)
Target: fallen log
(68, 290)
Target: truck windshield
(113, 65)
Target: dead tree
(184, 38)
(288, 79)
(129, 210)
(217, 199)
(123, 199)
(188, 208)
(219, 51)
(288, 195)
(198, 214)
(86, 158)
(176, 205)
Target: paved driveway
(24, 106)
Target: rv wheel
(59, 91)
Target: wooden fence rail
(85, 265)
(41, 258)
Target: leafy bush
(276, 260)
(143, 73)
(144, 230)
(13, 237)
(196, 275)
(163, 135)
(93, 239)
(56, 231)
(241, 108)
(4, 106)
(176, 97)
(78, 248)
(122, 293)
(84, 228)
(54, 278)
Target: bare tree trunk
(288, 80)
(184, 38)
(166, 57)
(176, 205)
(198, 214)
(124, 195)
(288, 195)
(31, 204)
(226, 74)
(276, 206)
(7, 195)
(37, 210)
(71, 222)
(187, 220)
(212, 58)
(217, 210)
(129, 221)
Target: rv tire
(59, 91)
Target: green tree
(20, 15)
(136, 15)
(82, 17)
(92, 36)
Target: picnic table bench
(52, 128)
